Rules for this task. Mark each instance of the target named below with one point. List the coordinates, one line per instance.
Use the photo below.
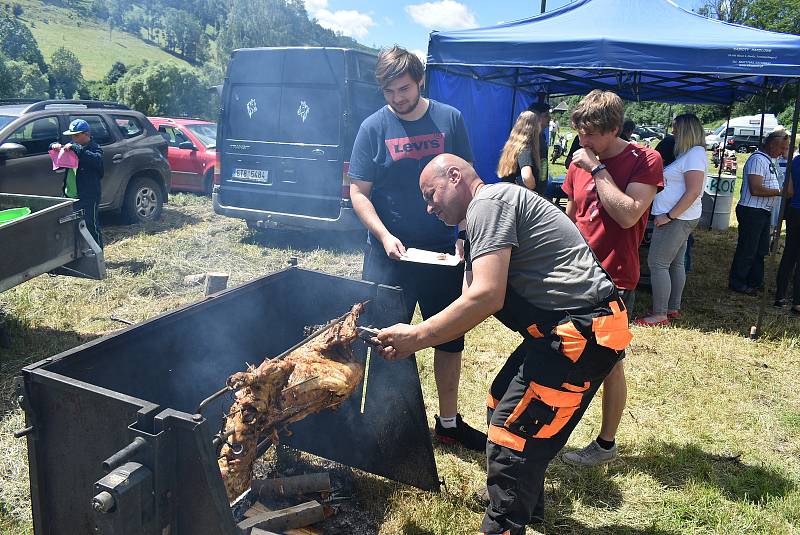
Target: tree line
(190, 29)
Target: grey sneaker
(591, 455)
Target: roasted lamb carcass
(317, 375)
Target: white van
(743, 132)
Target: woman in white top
(677, 211)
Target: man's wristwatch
(597, 168)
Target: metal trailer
(53, 238)
(118, 443)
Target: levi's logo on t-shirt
(416, 147)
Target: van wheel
(742, 150)
(144, 200)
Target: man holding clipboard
(392, 147)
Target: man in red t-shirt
(610, 189)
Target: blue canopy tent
(640, 49)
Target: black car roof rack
(80, 104)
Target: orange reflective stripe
(534, 331)
(490, 401)
(572, 341)
(612, 331)
(521, 406)
(574, 388)
(503, 437)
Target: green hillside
(54, 26)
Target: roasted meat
(316, 376)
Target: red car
(192, 152)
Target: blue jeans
(747, 268)
(666, 261)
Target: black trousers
(534, 404)
(790, 261)
(91, 215)
(747, 268)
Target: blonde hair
(395, 62)
(526, 133)
(599, 112)
(688, 133)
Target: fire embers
(318, 375)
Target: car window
(6, 119)
(206, 134)
(97, 127)
(174, 136)
(128, 126)
(36, 136)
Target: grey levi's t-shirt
(551, 265)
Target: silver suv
(137, 175)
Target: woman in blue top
(790, 262)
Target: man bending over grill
(527, 264)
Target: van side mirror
(12, 150)
(187, 145)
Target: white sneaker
(591, 455)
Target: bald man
(527, 264)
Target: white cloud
(347, 22)
(442, 15)
(313, 6)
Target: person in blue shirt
(392, 147)
(83, 183)
(790, 261)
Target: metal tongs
(367, 334)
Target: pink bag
(63, 158)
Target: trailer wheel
(144, 200)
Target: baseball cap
(76, 127)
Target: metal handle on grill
(124, 454)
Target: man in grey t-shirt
(529, 266)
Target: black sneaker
(462, 434)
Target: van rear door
(282, 131)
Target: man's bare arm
(362, 205)
(626, 208)
(483, 295)
(571, 209)
(757, 189)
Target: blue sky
(408, 22)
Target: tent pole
(719, 169)
(513, 100)
(755, 330)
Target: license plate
(253, 175)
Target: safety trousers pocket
(544, 411)
(572, 341)
(612, 331)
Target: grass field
(710, 441)
(55, 26)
